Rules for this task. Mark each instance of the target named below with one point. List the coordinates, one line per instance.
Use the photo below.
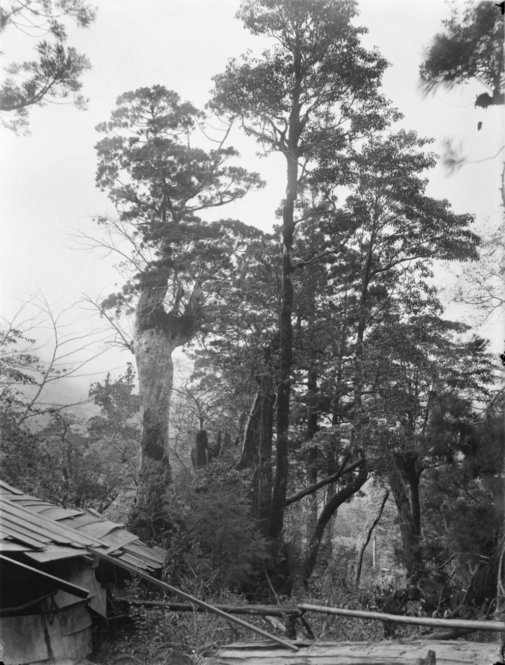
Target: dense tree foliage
(471, 47)
(55, 72)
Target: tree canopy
(471, 47)
(55, 72)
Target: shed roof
(45, 532)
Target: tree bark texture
(153, 355)
(157, 334)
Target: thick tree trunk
(153, 354)
(330, 508)
(157, 334)
(411, 551)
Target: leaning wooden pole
(167, 587)
(493, 626)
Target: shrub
(214, 542)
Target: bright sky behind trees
(47, 178)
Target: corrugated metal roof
(47, 532)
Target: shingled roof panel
(47, 532)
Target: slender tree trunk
(286, 308)
(358, 364)
(359, 351)
(249, 453)
(499, 614)
(312, 428)
(368, 537)
(336, 419)
(412, 474)
(285, 360)
(336, 415)
(263, 489)
(411, 551)
(330, 508)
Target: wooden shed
(51, 580)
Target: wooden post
(430, 659)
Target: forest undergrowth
(151, 634)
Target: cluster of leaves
(55, 72)
(470, 47)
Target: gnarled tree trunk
(157, 334)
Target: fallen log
(258, 610)
(493, 626)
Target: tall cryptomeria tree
(159, 184)
(307, 96)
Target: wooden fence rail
(494, 626)
(300, 610)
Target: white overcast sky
(47, 178)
